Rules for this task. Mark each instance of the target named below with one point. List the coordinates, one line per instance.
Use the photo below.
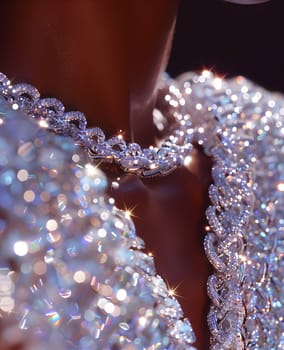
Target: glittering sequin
(71, 273)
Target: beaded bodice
(72, 271)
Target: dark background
(231, 40)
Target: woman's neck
(102, 58)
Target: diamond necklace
(130, 157)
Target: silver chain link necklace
(130, 157)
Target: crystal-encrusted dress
(72, 272)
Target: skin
(105, 58)
(110, 52)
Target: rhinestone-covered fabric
(72, 272)
(241, 126)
